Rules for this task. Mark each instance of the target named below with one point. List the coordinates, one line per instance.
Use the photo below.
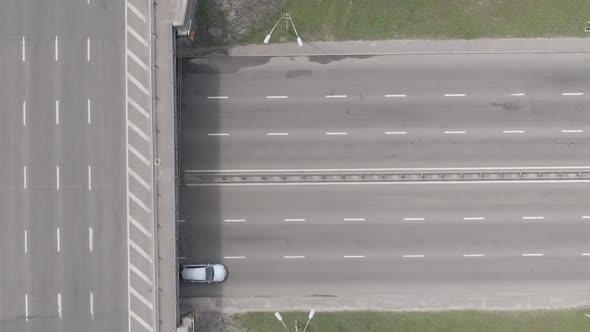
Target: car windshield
(209, 273)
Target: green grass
(444, 321)
(427, 19)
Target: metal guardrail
(205, 178)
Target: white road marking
(138, 84)
(354, 256)
(395, 132)
(56, 49)
(217, 97)
(519, 94)
(24, 112)
(585, 217)
(59, 312)
(413, 219)
(140, 321)
(277, 134)
(513, 131)
(25, 177)
(571, 131)
(533, 218)
(454, 95)
(27, 307)
(473, 255)
(136, 11)
(140, 109)
(572, 94)
(455, 132)
(24, 51)
(90, 239)
(89, 177)
(88, 111)
(277, 97)
(234, 257)
(140, 250)
(138, 131)
(354, 219)
(57, 177)
(474, 218)
(532, 255)
(293, 257)
(395, 96)
(58, 238)
(336, 96)
(137, 60)
(137, 36)
(140, 274)
(388, 183)
(218, 134)
(92, 305)
(140, 227)
(138, 154)
(139, 179)
(87, 49)
(333, 133)
(141, 298)
(57, 112)
(295, 219)
(235, 220)
(413, 256)
(26, 241)
(586, 254)
(429, 169)
(139, 202)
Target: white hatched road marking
(140, 274)
(136, 12)
(140, 320)
(141, 251)
(138, 131)
(141, 298)
(140, 227)
(139, 202)
(138, 84)
(139, 179)
(138, 155)
(137, 36)
(137, 60)
(140, 109)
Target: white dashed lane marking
(572, 94)
(572, 131)
(56, 47)
(395, 96)
(24, 112)
(234, 257)
(518, 94)
(413, 256)
(533, 218)
(532, 255)
(513, 131)
(454, 95)
(473, 218)
(277, 134)
(217, 97)
(395, 133)
(218, 134)
(473, 255)
(293, 257)
(336, 96)
(354, 219)
(455, 132)
(24, 49)
(413, 219)
(294, 219)
(277, 97)
(235, 220)
(336, 133)
(354, 256)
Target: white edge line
(484, 168)
(129, 218)
(385, 183)
(234, 257)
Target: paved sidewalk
(516, 45)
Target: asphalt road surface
(63, 240)
(374, 243)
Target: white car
(204, 273)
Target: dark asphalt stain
(298, 73)
(510, 106)
(325, 59)
(227, 65)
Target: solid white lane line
(27, 307)
(58, 238)
(354, 256)
(413, 219)
(354, 219)
(586, 254)
(24, 112)
(454, 95)
(455, 132)
(572, 94)
(90, 239)
(136, 11)
(234, 257)
(277, 134)
(571, 131)
(59, 312)
(92, 305)
(334, 133)
(25, 177)
(295, 219)
(218, 134)
(513, 131)
(89, 177)
(474, 218)
(26, 241)
(395, 96)
(585, 217)
(533, 218)
(217, 97)
(413, 256)
(235, 220)
(395, 132)
(532, 255)
(277, 97)
(24, 51)
(87, 49)
(293, 257)
(336, 96)
(88, 111)
(519, 94)
(57, 177)
(56, 49)
(473, 255)
(57, 112)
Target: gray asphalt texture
(74, 144)
(382, 279)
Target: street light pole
(309, 317)
(288, 19)
(280, 319)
